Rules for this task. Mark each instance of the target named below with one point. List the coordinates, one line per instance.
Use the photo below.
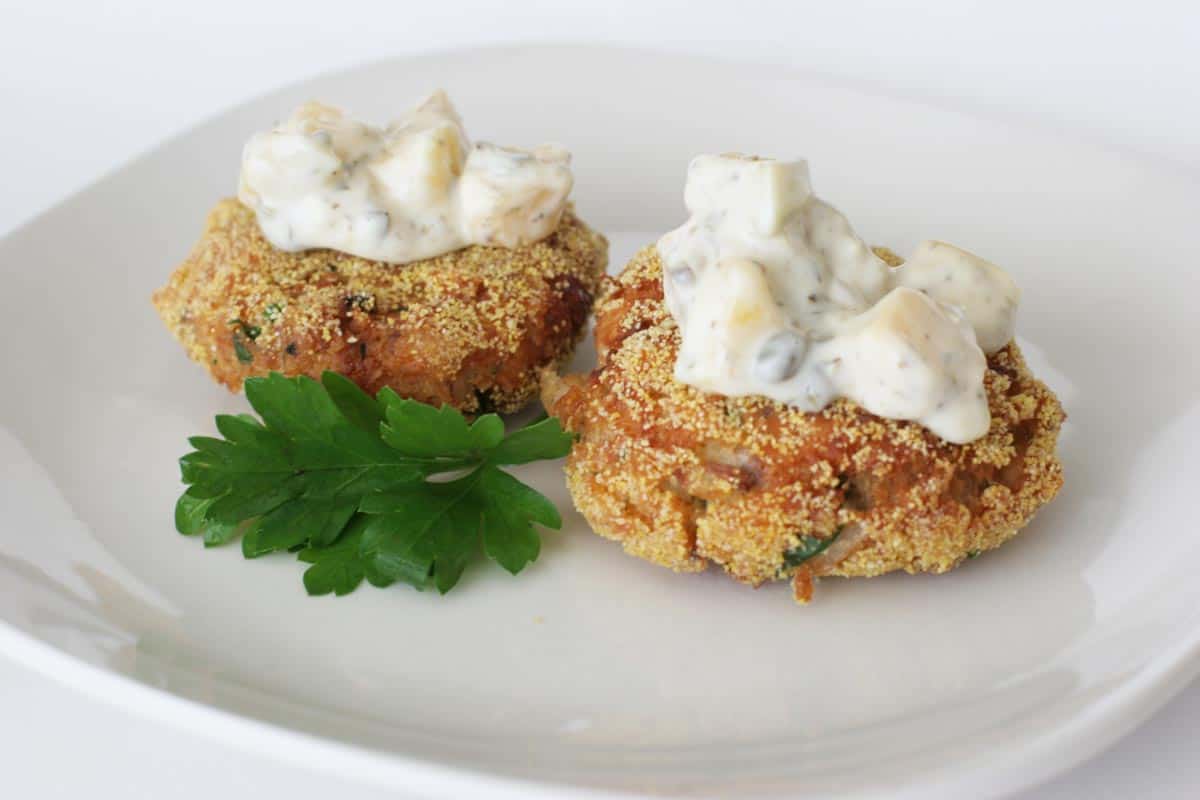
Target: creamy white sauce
(775, 295)
(412, 190)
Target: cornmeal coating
(684, 478)
(470, 328)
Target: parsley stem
(443, 467)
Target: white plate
(594, 670)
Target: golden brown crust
(684, 478)
(470, 328)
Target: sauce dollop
(412, 190)
(775, 295)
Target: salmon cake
(401, 256)
(685, 478)
(470, 328)
(724, 425)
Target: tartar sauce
(412, 190)
(775, 295)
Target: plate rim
(1089, 730)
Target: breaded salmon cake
(470, 328)
(766, 491)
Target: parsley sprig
(383, 489)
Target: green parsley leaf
(383, 489)
(357, 406)
(418, 529)
(536, 442)
(339, 568)
(509, 510)
(423, 431)
(189, 520)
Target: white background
(85, 86)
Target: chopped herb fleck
(273, 312)
(808, 547)
(363, 302)
(239, 348)
(251, 332)
(972, 554)
(292, 349)
(733, 413)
